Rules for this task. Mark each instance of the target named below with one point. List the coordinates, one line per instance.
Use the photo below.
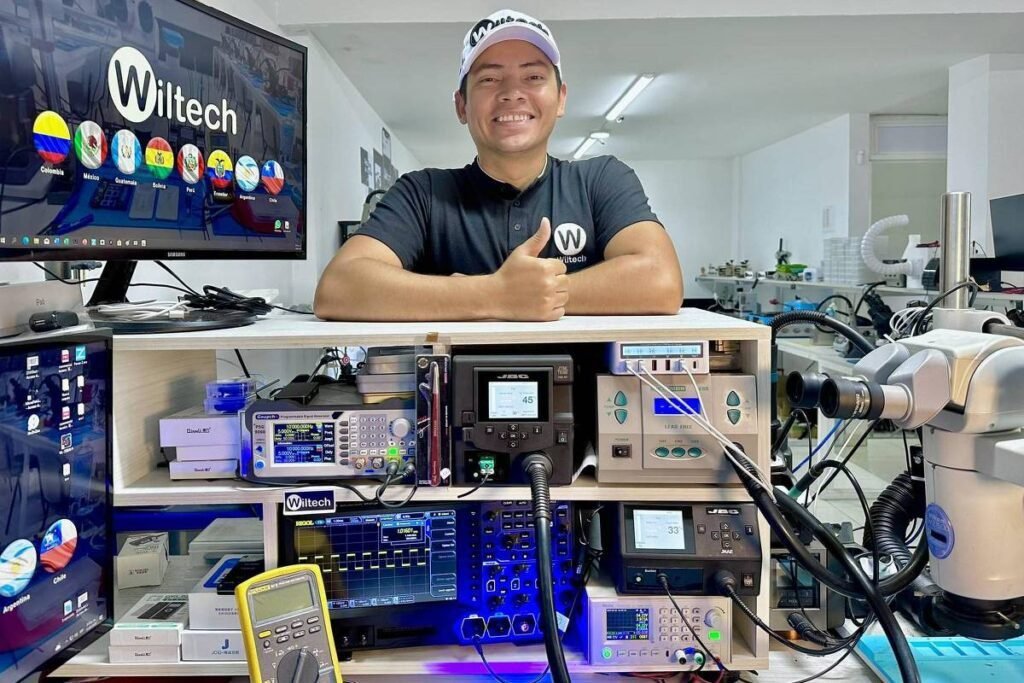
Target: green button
(620, 399)
(393, 451)
(695, 452)
(661, 452)
(678, 452)
(606, 653)
(733, 399)
(714, 635)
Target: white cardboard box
(207, 609)
(212, 646)
(203, 469)
(142, 654)
(142, 561)
(193, 427)
(226, 536)
(219, 451)
(156, 619)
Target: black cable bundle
(891, 515)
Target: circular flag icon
(51, 137)
(272, 176)
(58, 545)
(247, 173)
(17, 565)
(190, 164)
(159, 158)
(90, 144)
(127, 152)
(219, 169)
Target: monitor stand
(112, 288)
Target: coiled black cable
(891, 515)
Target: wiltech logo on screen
(138, 93)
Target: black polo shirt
(444, 221)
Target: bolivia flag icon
(272, 176)
(52, 137)
(159, 158)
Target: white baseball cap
(503, 25)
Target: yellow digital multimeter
(286, 627)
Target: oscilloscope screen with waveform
(380, 559)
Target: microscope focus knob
(401, 427)
(714, 617)
(298, 666)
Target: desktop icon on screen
(247, 174)
(159, 158)
(51, 136)
(272, 176)
(127, 152)
(90, 144)
(190, 164)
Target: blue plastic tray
(948, 660)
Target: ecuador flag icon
(272, 176)
(52, 137)
(159, 158)
(220, 170)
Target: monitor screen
(378, 559)
(148, 130)
(55, 541)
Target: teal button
(621, 415)
(695, 452)
(733, 415)
(732, 399)
(678, 452)
(661, 452)
(620, 399)
(606, 653)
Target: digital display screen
(277, 602)
(677, 406)
(303, 443)
(637, 351)
(512, 400)
(382, 559)
(658, 530)
(628, 624)
(795, 586)
(132, 129)
(55, 541)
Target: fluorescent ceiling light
(588, 142)
(584, 146)
(627, 98)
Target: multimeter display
(271, 605)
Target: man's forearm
(365, 289)
(625, 285)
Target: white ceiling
(725, 86)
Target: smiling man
(526, 236)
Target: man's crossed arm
(640, 275)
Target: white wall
(986, 141)
(786, 188)
(694, 200)
(339, 123)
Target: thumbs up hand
(530, 287)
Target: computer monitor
(1007, 216)
(56, 545)
(148, 130)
